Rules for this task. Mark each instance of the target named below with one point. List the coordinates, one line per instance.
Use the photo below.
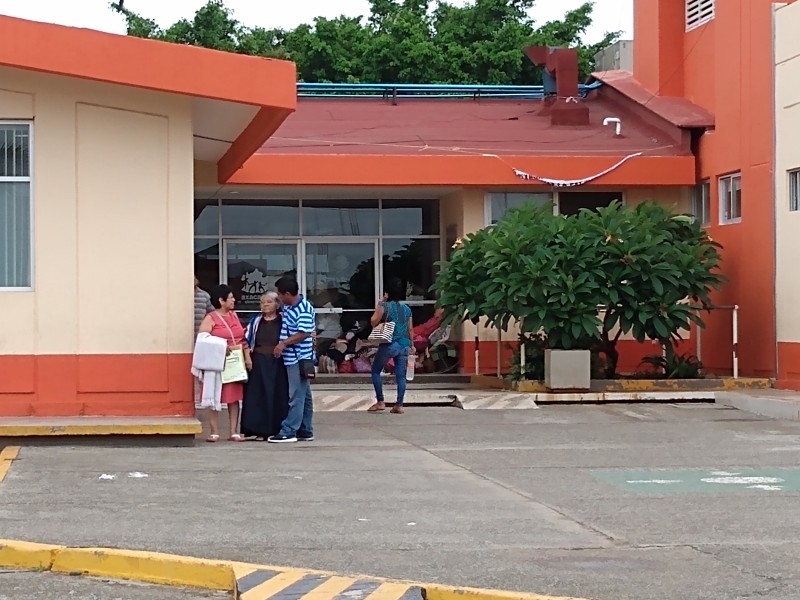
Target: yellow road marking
(273, 586)
(389, 591)
(240, 571)
(330, 589)
(9, 453)
(7, 456)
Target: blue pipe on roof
(435, 90)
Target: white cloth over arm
(208, 363)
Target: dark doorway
(570, 203)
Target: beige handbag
(235, 370)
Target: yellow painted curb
(110, 429)
(530, 387)
(27, 555)
(7, 456)
(443, 592)
(151, 567)
(649, 385)
(191, 572)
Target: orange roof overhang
(461, 170)
(268, 86)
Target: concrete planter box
(567, 369)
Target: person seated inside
(422, 332)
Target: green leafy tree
(400, 41)
(659, 268)
(533, 268)
(643, 270)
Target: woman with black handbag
(392, 327)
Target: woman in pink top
(223, 322)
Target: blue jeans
(385, 352)
(301, 407)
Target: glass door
(341, 281)
(251, 267)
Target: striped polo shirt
(202, 306)
(297, 318)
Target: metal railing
(394, 91)
(734, 308)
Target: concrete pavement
(50, 586)
(560, 500)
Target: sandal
(236, 437)
(377, 407)
(397, 409)
(212, 438)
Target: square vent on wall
(698, 12)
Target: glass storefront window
(263, 239)
(253, 268)
(502, 202)
(260, 218)
(412, 260)
(341, 275)
(410, 217)
(206, 217)
(206, 262)
(340, 217)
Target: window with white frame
(730, 198)
(15, 205)
(794, 190)
(499, 203)
(701, 202)
(698, 12)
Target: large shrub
(583, 281)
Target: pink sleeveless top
(220, 330)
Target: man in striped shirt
(296, 345)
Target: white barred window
(794, 190)
(730, 198)
(698, 12)
(15, 205)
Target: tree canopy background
(400, 41)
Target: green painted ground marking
(712, 481)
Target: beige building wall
(112, 201)
(676, 198)
(787, 158)
(205, 174)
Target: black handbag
(306, 365)
(307, 369)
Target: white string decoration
(573, 182)
(476, 152)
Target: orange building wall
(727, 69)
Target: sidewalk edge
(187, 571)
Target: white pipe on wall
(616, 120)
(735, 341)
